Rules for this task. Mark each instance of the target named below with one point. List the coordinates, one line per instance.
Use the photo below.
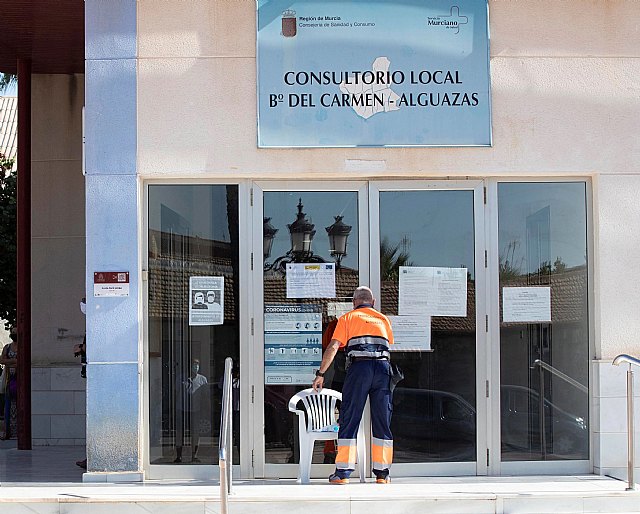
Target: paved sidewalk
(46, 480)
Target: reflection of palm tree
(392, 257)
(510, 266)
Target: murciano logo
(453, 21)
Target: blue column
(112, 206)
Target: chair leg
(306, 454)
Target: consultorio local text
(371, 98)
(336, 78)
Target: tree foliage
(392, 257)
(6, 80)
(8, 213)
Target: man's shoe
(337, 479)
(381, 480)
(196, 460)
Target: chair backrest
(319, 406)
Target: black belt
(356, 359)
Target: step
(459, 495)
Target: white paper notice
(428, 291)
(526, 304)
(411, 333)
(337, 309)
(311, 280)
(206, 301)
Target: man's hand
(317, 384)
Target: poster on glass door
(311, 280)
(292, 343)
(432, 291)
(206, 301)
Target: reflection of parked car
(438, 422)
(567, 434)
(444, 424)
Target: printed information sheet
(337, 309)
(411, 333)
(432, 291)
(526, 304)
(206, 301)
(292, 343)
(311, 280)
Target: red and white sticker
(110, 283)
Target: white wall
(57, 226)
(57, 260)
(564, 81)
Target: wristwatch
(319, 373)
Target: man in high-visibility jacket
(366, 335)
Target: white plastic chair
(320, 411)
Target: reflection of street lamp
(268, 235)
(338, 234)
(302, 232)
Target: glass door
(428, 270)
(542, 254)
(192, 324)
(314, 255)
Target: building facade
(507, 361)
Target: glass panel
(544, 366)
(434, 416)
(304, 222)
(193, 232)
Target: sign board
(110, 283)
(292, 343)
(384, 73)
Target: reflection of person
(366, 335)
(191, 405)
(9, 358)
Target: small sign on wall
(110, 283)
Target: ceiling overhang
(49, 34)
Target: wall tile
(58, 192)
(110, 28)
(112, 245)
(110, 117)
(113, 417)
(40, 379)
(67, 379)
(40, 426)
(52, 402)
(68, 427)
(79, 402)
